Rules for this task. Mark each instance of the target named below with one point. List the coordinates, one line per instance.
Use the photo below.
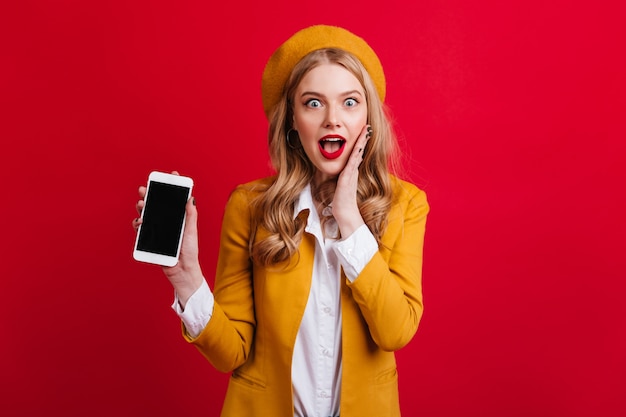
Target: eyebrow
(347, 93)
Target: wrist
(186, 283)
(349, 226)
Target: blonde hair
(274, 207)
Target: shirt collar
(313, 224)
(305, 202)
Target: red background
(512, 117)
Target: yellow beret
(310, 39)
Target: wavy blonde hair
(275, 204)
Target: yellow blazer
(258, 311)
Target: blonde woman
(319, 272)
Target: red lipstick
(332, 146)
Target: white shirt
(316, 365)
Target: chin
(327, 175)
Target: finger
(175, 173)
(142, 194)
(139, 206)
(364, 137)
(136, 222)
(191, 223)
(359, 147)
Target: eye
(350, 102)
(314, 103)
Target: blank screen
(163, 218)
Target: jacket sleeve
(388, 291)
(227, 338)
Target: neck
(319, 179)
(323, 192)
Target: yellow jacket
(258, 311)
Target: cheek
(307, 135)
(300, 124)
(307, 129)
(310, 144)
(357, 122)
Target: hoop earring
(289, 139)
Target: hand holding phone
(160, 233)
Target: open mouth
(332, 147)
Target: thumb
(191, 223)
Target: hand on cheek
(344, 204)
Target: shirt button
(327, 310)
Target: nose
(331, 120)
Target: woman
(319, 272)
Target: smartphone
(160, 234)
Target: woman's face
(330, 112)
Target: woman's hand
(186, 276)
(344, 204)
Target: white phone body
(160, 234)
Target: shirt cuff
(198, 310)
(356, 251)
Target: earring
(289, 139)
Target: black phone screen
(163, 218)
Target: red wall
(513, 119)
